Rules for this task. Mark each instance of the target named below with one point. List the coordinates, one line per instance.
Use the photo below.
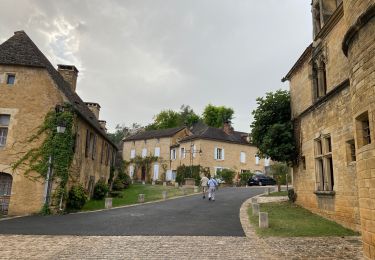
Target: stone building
(332, 88)
(209, 147)
(30, 88)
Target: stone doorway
(6, 181)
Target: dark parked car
(261, 180)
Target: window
(257, 159)
(182, 153)
(156, 172)
(322, 11)
(144, 152)
(102, 153)
(363, 130)
(267, 161)
(324, 163)
(87, 143)
(319, 77)
(173, 154)
(132, 153)
(131, 171)
(219, 153)
(91, 146)
(93, 155)
(157, 151)
(350, 151)
(4, 124)
(243, 157)
(11, 78)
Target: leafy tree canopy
(272, 129)
(122, 131)
(169, 118)
(216, 116)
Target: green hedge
(193, 172)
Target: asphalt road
(186, 216)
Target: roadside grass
(277, 193)
(130, 195)
(290, 220)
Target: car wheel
(260, 183)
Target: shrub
(184, 172)
(292, 195)
(227, 175)
(118, 185)
(116, 194)
(100, 190)
(77, 197)
(244, 177)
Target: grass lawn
(130, 195)
(290, 220)
(277, 193)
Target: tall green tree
(122, 131)
(170, 118)
(216, 116)
(272, 129)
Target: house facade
(202, 145)
(332, 99)
(30, 88)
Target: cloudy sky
(137, 57)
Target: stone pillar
(268, 190)
(141, 198)
(153, 183)
(183, 191)
(165, 195)
(196, 189)
(263, 219)
(255, 208)
(108, 203)
(164, 183)
(176, 184)
(143, 182)
(254, 200)
(359, 46)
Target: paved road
(187, 216)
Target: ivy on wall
(146, 162)
(58, 146)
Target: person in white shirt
(212, 184)
(204, 184)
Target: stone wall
(362, 77)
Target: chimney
(227, 128)
(94, 107)
(103, 124)
(69, 73)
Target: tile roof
(202, 131)
(21, 50)
(154, 134)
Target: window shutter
(222, 153)
(215, 153)
(157, 151)
(194, 151)
(171, 154)
(156, 171)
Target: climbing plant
(146, 162)
(57, 146)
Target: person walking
(212, 184)
(204, 184)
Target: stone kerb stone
(263, 219)
(255, 208)
(153, 183)
(176, 184)
(141, 198)
(165, 195)
(254, 200)
(108, 203)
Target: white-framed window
(156, 172)
(324, 163)
(182, 153)
(4, 124)
(144, 152)
(131, 171)
(243, 157)
(257, 159)
(173, 154)
(219, 153)
(11, 78)
(157, 152)
(267, 161)
(132, 153)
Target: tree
(169, 118)
(272, 129)
(280, 173)
(216, 116)
(122, 131)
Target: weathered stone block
(263, 219)
(141, 198)
(108, 203)
(165, 195)
(255, 208)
